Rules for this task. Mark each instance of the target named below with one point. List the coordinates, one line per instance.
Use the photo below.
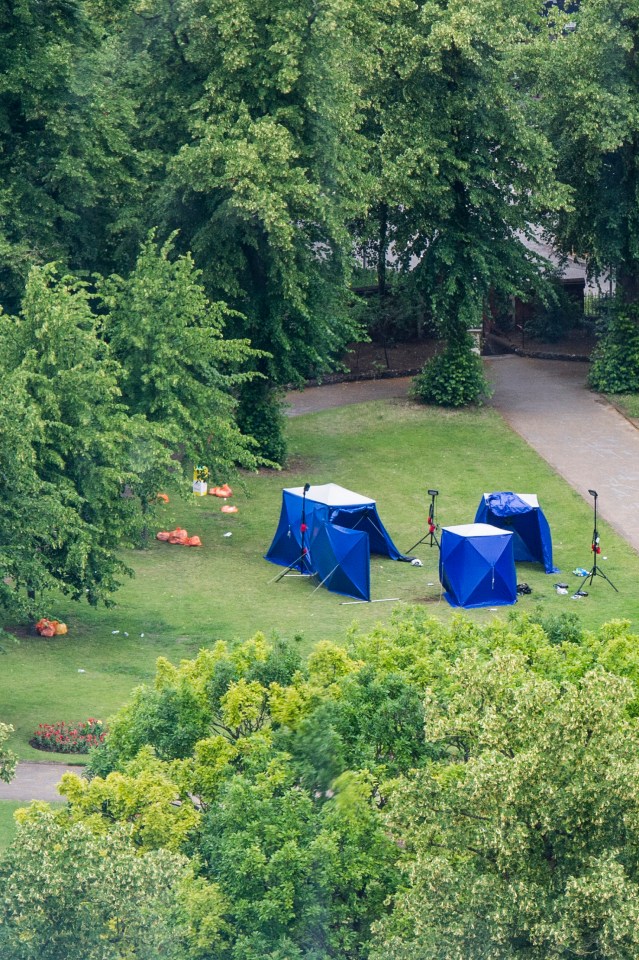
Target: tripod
(596, 550)
(301, 561)
(432, 524)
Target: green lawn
(7, 823)
(182, 599)
(628, 403)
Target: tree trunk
(381, 252)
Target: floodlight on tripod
(301, 564)
(595, 546)
(431, 535)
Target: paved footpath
(35, 781)
(585, 439)
(588, 442)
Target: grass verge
(182, 599)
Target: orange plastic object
(227, 508)
(60, 628)
(163, 497)
(45, 627)
(162, 535)
(193, 542)
(178, 535)
(224, 491)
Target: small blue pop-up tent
(477, 567)
(521, 514)
(339, 556)
(341, 559)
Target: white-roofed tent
(342, 529)
(521, 514)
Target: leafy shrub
(454, 378)
(564, 627)
(615, 362)
(260, 416)
(69, 737)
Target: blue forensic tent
(521, 514)
(350, 515)
(477, 566)
(342, 560)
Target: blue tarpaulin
(477, 566)
(341, 559)
(521, 514)
(356, 531)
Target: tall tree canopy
(463, 170)
(70, 447)
(176, 369)
(521, 839)
(508, 747)
(68, 165)
(588, 88)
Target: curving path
(586, 440)
(36, 781)
(583, 437)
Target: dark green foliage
(462, 170)
(75, 443)
(554, 318)
(560, 627)
(177, 369)
(67, 163)
(301, 873)
(615, 361)
(260, 415)
(453, 378)
(587, 85)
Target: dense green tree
(177, 369)
(274, 775)
(254, 122)
(69, 895)
(72, 448)
(7, 758)
(588, 86)
(521, 841)
(462, 171)
(69, 172)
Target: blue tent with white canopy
(356, 532)
(521, 514)
(477, 566)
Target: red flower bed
(69, 737)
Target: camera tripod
(596, 550)
(431, 536)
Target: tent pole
(292, 566)
(328, 575)
(347, 603)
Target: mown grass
(628, 403)
(7, 823)
(182, 599)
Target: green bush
(260, 416)
(454, 378)
(615, 362)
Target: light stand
(596, 550)
(432, 524)
(301, 561)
